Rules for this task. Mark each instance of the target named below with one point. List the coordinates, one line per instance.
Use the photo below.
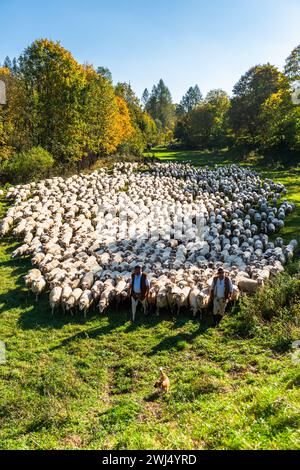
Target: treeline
(65, 114)
(59, 112)
(263, 113)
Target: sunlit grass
(71, 383)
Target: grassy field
(75, 384)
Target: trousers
(219, 306)
(134, 304)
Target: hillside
(74, 383)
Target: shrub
(26, 166)
(277, 305)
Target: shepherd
(220, 294)
(139, 290)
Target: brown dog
(163, 384)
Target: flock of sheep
(86, 233)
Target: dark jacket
(144, 288)
(226, 290)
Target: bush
(276, 308)
(26, 166)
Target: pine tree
(190, 100)
(292, 65)
(145, 97)
(105, 72)
(160, 106)
(7, 63)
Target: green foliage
(145, 97)
(75, 383)
(101, 116)
(15, 134)
(73, 111)
(54, 82)
(145, 129)
(189, 101)
(261, 115)
(278, 303)
(249, 94)
(292, 65)
(105, 72)
(25, 166)
(70, 110)
(160, 106)
(205, 126)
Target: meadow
(70, 383)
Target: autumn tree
(73, 110)
(144, 128)
(55, 85)
(15, 132)
(106, 119)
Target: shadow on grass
(17, 297)
(90, 333)
(178, 341)
(38, 316)
(152, 397)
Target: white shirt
(220, 288)
(137, 283)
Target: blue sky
(209, 42)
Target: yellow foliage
(124, 128)
(4, 71)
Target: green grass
(198, 157)
(70, 383)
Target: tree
(11, 65)
(216, 96)
(73, 110)
(105, 72)
(125, 90)
(55, 85)
(252, 90)
(15, 67)
(145, 97)
(160, 105)
(189, 101)
(7, 63)
(106, 118)
(145, 131)
(15, 132)
(292, 64)
(219, 102)
(273, 114)
(206, 125)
